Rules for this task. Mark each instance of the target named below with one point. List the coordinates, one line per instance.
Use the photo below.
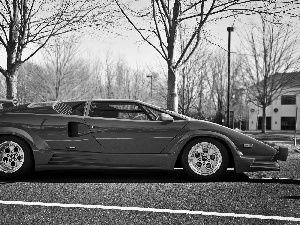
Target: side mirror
(166, 117)
(73, 129)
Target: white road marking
(154, 210)
(162, 137)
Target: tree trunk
(11, 85)
(183, 89)
(220, 110)
(200, 102)
(263, 126)
(13, 56)
(172, 98)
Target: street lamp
(150, 76)
(229, 29)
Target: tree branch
(143, 37)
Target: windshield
(177, 114)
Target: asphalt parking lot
(153, 197)
(148, 197)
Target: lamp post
(151, 77)
(229, 29)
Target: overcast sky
(135, 51)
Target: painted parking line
(153, 210)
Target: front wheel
(15, 157)
(205, 159)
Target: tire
(204, 165)
(16, 158)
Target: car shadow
(132, 176)
(294, 197)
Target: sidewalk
(289, 132)
(285, 137)
(286, 134)
(292, 136)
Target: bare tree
(29, 87)
(158, 24)
(120, 80)
(217, 83)
(62, 74)
(272, 51)
(215, 90)
(30, 24)
(65, 71)
(109, 74)
(191, 82)
(200, 106)
(2, 88)
(238, 100)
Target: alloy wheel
(204, 158)
(11, 157)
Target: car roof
(106, 100)
(115, 100)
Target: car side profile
(123, 134)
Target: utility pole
(229, 29)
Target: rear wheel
(15, 157)
(205, 159)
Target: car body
(123, 134)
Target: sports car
(124, 134)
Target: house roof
(289, 80)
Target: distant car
(6, 103)
(124, 134)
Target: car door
(54, 130)
(124, 128)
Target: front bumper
(253, 163)
(282, 154)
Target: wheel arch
(16, 132)
(226, 142)
(34, 141)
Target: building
(284, 112)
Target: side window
(78, 109)
(154, 114)
(117, 110)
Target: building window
(288, 123)
(288, 100)
(268, 123)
